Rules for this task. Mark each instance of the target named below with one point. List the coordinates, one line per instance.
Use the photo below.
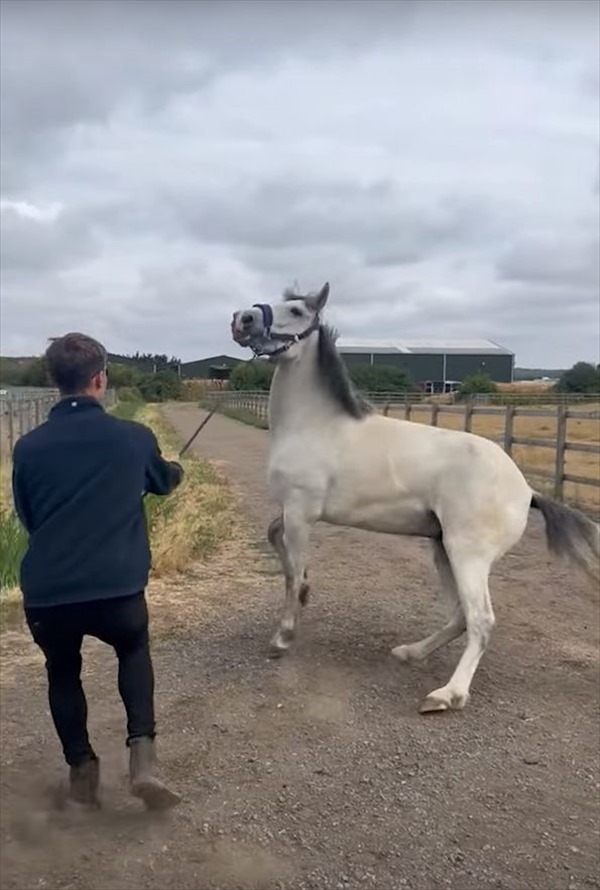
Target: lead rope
(191, 439)
(200, 428)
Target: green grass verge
(13, 544)
(244, 416)
(127, 410)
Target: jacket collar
(75, 404)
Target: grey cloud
(557, 258)
(65, 63)
(384, 222)
(208, 154)
(30, 246)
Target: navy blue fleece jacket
(78, 481)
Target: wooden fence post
(11, 425)
(435, 410)
(469, 408)
(21, 417)
(509, 420)
(407, 411)
(386, 409)
(561, 441)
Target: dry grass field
(530, 458)
(526, 386)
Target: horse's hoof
(304, 594)
(432, 705)
(405, 654)
(276, 651)
(443, 700)
(280, 643)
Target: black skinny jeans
(59, 631)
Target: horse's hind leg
(275, 538)
(471, 572)
(289, 536)
(452, 629)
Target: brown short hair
(73, 360)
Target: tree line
(155, 377)
(257, 375)
(583, 377)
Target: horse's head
(279, 329)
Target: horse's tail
(570, 533)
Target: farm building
(217, 367)
(433, 364)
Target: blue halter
(285, 339)
(267, 316)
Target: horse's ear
(317, 302)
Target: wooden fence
(247, 405)
(21, 412)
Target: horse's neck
(296, 400)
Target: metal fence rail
(254, 405)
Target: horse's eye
(295, 311)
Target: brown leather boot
(84, 781)
(144, 784)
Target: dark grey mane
(335, 378)
(332, 370)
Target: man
(78, 483)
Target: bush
(160, 387)
(582, 377)
(11, 372)
(252, 376)
(123, 375)
(477, 384)
(35, 373)
(129, 394)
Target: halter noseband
(286, 339)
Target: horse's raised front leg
(289, 535)
(453, 628)
(275, 537)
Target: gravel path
(317, 771)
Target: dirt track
(317, 771)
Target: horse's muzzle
(245, 327)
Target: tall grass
(13, 544)
(13, 538)
(196, 518)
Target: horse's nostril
(247, 318)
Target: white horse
(333, 459)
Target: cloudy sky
(164, 163)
